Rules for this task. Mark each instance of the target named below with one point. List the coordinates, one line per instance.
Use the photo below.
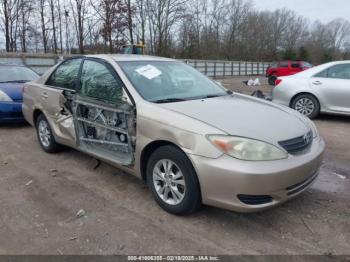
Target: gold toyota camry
(190, 139)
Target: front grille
(296, 188)
(254, 200)
(298, 144)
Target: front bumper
(222, 180)
(11, 112)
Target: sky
(323, 10)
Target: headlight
(313, 128)
(247, 149)
(4, 97)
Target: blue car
(12, 79)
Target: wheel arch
(304, 93)
(36, 113)
(149, 149)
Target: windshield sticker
(149, 71)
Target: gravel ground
(41, 195)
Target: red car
(285, 68)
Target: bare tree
(141, 18)
(79, 8)
(164, 14)
(130, 13)
(113, 14)
(10, 14)
(42, 4)
(53, 21)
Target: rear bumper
(230, 183)
(11, 112)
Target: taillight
(278, 81)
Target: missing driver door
(104, 122)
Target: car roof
(130, 58)
(319, 68)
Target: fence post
(239, 68)
(246, 68)
(224, 69)
(258, 68)
(205, 68)
(231, 68)
(195, 64)
(24, 60)
(214, 69)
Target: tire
(45, 136)
(307, 105)
(183, 194)
(272, 80)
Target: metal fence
(216, 69)
(37, 62)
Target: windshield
(307, 65)
(16, 74)
(158, 81)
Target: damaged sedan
(192, 141)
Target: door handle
(317, 83)
(44, 95)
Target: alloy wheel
(305, 106)
(44, 133)
(169, 182)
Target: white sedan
(321, 89)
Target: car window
(338, 72)
(322, 74)
(295, 65)
(66, 74)
(98, 82)
(283, 64)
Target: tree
(163, 15)
(52, 9)
(10, 14)
(43, 24)
(79, 9)
(113, 14)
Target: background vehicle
(12, 79)
(285, 68)
(321, 89)
(139, 49)
(167, 123)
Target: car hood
(13, 90)
(245, 116)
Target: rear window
(283, 64)
(66, 74)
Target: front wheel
(306, 105)
(173, 181)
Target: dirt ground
(40, 195)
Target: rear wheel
(45, 136)
(173, 181)
(307, 105)
(272, 80)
